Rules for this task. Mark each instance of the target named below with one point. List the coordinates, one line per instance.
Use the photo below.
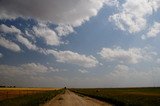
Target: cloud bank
(70, 12)
(132, 55)
(123, 76)
(29, 75)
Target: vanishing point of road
(71, 99)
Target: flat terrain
(28, 97)
(29, 89)
(6, 93)
(80, 97)
(71, 99)
(124, 96)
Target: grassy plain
(124, 96)
(6, 93)
(27, 96)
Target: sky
(80, 43)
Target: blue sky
(87, 43)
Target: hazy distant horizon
(86, 43)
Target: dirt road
(72, 99)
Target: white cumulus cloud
(9, 45)
(34, 67)
(47, 34)
(132, 55)
(154, 30)
(74, 58)
(11, 29)
(16, 32)
(112, 2)
(132, 14)
(26, 42)
(83, 71)
(63, 30)
(155, 4)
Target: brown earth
(71, 99)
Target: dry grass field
(6, 93)
(27, 96)
(124, 96)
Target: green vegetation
(31, 100)
(124, 96)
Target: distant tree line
(1, 86)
